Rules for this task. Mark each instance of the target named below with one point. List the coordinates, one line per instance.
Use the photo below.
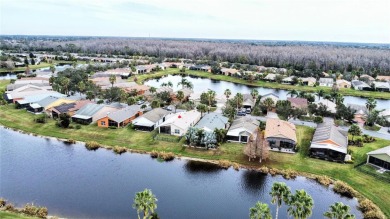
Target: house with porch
(273, 96)
(241, 129)
(325, 82)
(341, 83)
(212, 121)
(309, 81)
(91, 112)
(298, 103)
(329, 142)
(178, 123)
(248, 101)
(120, 118)
(280, 135)
(360, 85)
(205, 68)
(380, 158)
(68, 108)
(360, 114)
(381, 86)
(228, 71)
(150, 120)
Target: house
(360, 85)
(298, 103)
(288, 80)
(343, 83)
(280, 135)
(386, 114)
(178, 123)
(273, 96)
(381, 86)
(140, 89)
(248, 101)
(150, 120)
(41, 105)
(331, 107)
(212, 121)
(228, 71)
(367, 77)
(186, 91)
(380, 158)
(270, 77)
(205, 68)
(85, 114)
(120, 118)
(326, 82)
(11, 87)
(329, 142)
(68, 108)
(27, 90)
(383, 78)
(241, 129)
(361, 113)
(309, 81)
(23, 103)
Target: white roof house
(329, 105)
(273, 96)
(241, 129)
(384, 86)
(178, 123)
(150, 120)
(326, 82)
(270, 77)
(380, 158)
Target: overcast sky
(308, 20)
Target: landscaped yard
(9, 215)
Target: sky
(365, 21)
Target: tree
(339, 99)
(254, 93)
(26, 61)
(300, 205)
(145, 202)
(152, 90)
(113, 94)
(280, 193)
(220, 135)
(339, 211)
(180, 95)
(90, 95)
(65, 82)
(130, 101)
(209, 139)
(192, 136)
(155, 104)
(371, 104)
(256, 147)
(269, 103)
(354, 130)
(112, 80)
(227, 93)
(202, 108)
(238, 100)
(211, 98)
(64, 120)
(372, 117)
(292, 93)
(284, 109)
(81, 87)
(183, 82)
(260, 211)
(52, 68)
(32, 61)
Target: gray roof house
(360, 85)
(121, 117)
(359, 109)
(329, 142)
(380, 158)
(241, 129)
(326, 82)
(150, 120)
(248, 102)
(381, 86)
(39, 106)
(85, 114)
(212, 121)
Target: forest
(343, 57)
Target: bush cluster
(119, 150)
(224, 164)
(324, 180)
(92, 145)
(35, 211)
(344, 189)
(370, 210)
(167, 156)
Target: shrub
(264, 169)
(366, 205)
(344, 189)
(112, 127)
(318, 119)
(37, 211)
(92, 145)
(10, 207)
(78, 126)
(119, 150)
(274, 171)
(40, 118)
(224, 164)
(154, 154)
(289, 174)
(324, 180)
(167, 156)
(3, 202)
(374, 215)
(236, 166)
(70, 141)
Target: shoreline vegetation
(228, 154)
(174, 71)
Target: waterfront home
(383, 78)
(241, 129)
(228, 71)
(288, 80)
(212, 121)
(360, 85)
(248, 101)
(23, 103)
(140, 89)
(309, 81)
(23, 92)
(325, 82)
(186, 91)
(381, 86)
(343, 83)
(118, 72)
(160, 90)
(386, 114)
(150, 120)
(270, 77)
(367, 77)
(329, 142)
(68, 108)
(104, 83)
(280, 135)
(39, 107)
(205, 68)
(330, 106)
(11, 87)
(120, 118)
(178, 123)
(380, 158)
(360, 114)
(91, 112)
(298, 103)
(273, 96)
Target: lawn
(367, 185)
(41, 65)
(9, 215)
(344, 91)
(3, 84)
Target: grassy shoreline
(344, 91)
(365, 184)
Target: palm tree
(81, 87)
(339, 99)
(292, 93)
(280, 193)
(301, 205)
(269, 103)
(189, 85)
(65, 84)
(155, 104)
(164, 84)
(339, 211)
(371, 104)
(112, 80)
(52, 69)
(302, 94)
(152, 90)
(169, 84)
(211, 97)
(180, 95)
(254, 93)
(239, 98)
(145, 202)
(320, 93)
(202, 108)
(183, 82)
(260, 211)
(74, 64)
(227, 93)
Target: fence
(379, 176)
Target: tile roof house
(241, 129)
(228, 71)
(380, 158)
(206, 68)
(270, 77)
(27, 90)
(343, 83)
(178, 123)
(360, 85)
(288, 80)
(326, 82)
(23, 103)
(121, 117)
(309, 81)
(151, 120)
(41, 105)
(383, 78)
(86, 113)
(368, 77)
(329, 142)
(299, 103)
(211, 121)
(280, 135)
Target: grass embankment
(10, 215)
(344, 91)
(367, 185)
(3, 84)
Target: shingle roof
(48, 100)
(277, 128)
(328, 131)
(90, 109)
(359, 109)
(246, 123)
(155, 114)
(298, 102)
(182, 119)
(63, 108)
(385, 150)
(125, 113)
(326, 80)
(211, 121)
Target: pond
(203, 84)
(76, 183)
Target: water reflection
(196, 167)
(253, 182)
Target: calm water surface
(75, 183)
(203, 84)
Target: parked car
(248, 111)
(140, 102)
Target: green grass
(344, 91)
(41, 65)
(373, 170)
(3, 84)
(9, 215)
(372, 128)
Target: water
(203, 84)
(8, 76)
(76, 183)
